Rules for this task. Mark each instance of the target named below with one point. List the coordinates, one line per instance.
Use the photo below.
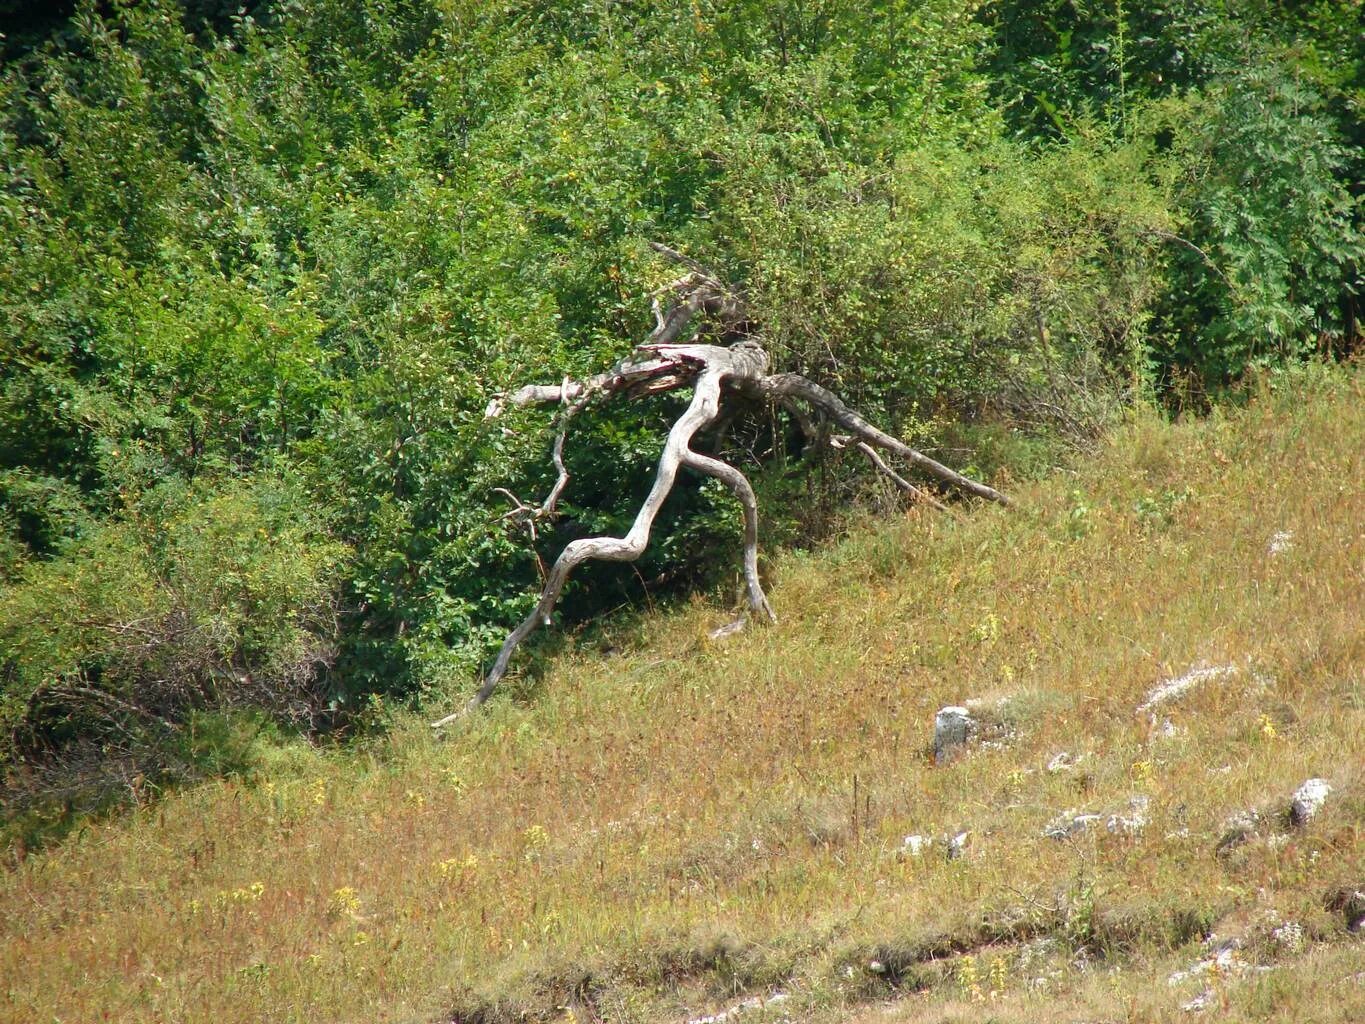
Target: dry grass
(653, 833)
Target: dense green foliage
(261, 275)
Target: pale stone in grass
(953, 728)
(1200, 1002)
(914, 846)
(1061, 762)
(1069, 823)
(1219, 945)
(1174, 689)
(1225, 963)
(743, 1008)
(1133, 822)
(1308, 800)
(957, 845)
(1281, 542)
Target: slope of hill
(662, 827)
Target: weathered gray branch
(713, 366)
(793, 385)
(713, 371)
(900, 481)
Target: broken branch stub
(713, 371)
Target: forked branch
(713, 371)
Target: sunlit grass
(649, 834)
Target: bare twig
(900, 481)
(685, 260)
(793, 385)
(1168, 236)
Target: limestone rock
(957, 845)
(1069, 823)
(1225, 963)
(1281, 542)
(1061, 762)
(954, 727)
(753, 1007)
(1133, 822)
(1201, 1002)
(1308, 800)
(915, 845)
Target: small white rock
(1226, 962)
(1062, 762)
(957, 846)
(1280, 542)
(1308, 800)
(1133, 822)
(1218, 945)
(1069, 823)
(914, 846)
(742, 1008)
(1200, 1002)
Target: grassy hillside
(658, 826)
(264, 265)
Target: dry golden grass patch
(651, 834)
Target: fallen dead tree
(719, 374)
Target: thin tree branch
(793, 385)
(1168, 236)
(900, 481)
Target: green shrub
(197, 601)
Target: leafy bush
(1270, 225)
(197, 601)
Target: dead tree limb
(715, 366)
(714, 372)
(793, 385)
(900, 481)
